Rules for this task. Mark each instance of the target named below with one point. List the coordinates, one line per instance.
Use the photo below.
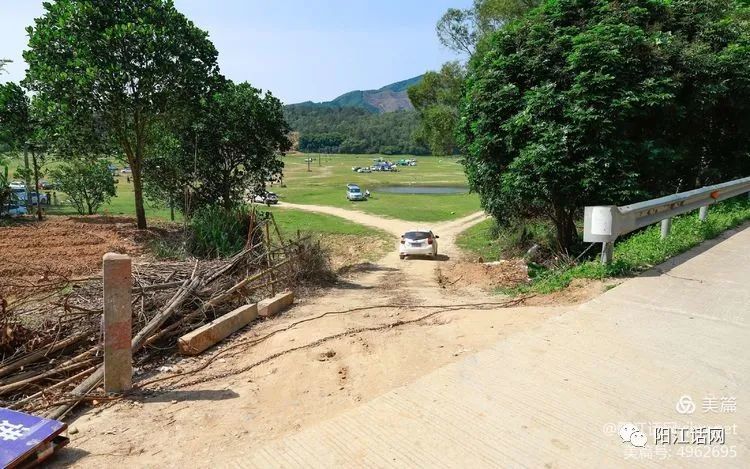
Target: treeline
(354, 130)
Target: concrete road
(668, 352)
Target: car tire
(402, 257)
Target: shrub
(217, 232)
(88, 184)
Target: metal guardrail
(604, 224)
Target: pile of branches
(51, 339)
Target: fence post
(703, 213)
(666, 227)
(607, 252)
(118, 358)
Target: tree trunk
(36, 186)
(566, 232)
(140, 212)
(26, 179)
(171, 208)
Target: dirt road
(383, 330)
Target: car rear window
(416, 235)
(355, 190)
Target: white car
(353, 192)
(421, 242)
(13, 210)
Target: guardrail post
(666, 227)
(703, 213)
(118, 358)
(607, 252)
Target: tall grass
(216, 232)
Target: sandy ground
(240, 394)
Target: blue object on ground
(27, 439)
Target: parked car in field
(269, 198)
(20, 195)
(353, 192)
(420, 242)
(126, 170)
(13, 210)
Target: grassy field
(326, 184)
(289, 220)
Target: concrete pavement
(557, 395)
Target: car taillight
(429, 240)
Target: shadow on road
(438, 258)
(204, 395)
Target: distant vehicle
(46, 185)
(356, 168)
(268, 198)
(421, 242)
(353, 192)
(126, 170)
(364, 170)
(20, 195)
(17, 185)
(13, 210)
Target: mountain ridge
(389, 98)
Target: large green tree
(596, 102)
(234, 147)
(125, 64)
(244, 137)
(437, 98)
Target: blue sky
(300, 50)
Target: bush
(88, 184)
(644, 249)
(217, 232)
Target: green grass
(326, 185)
(290, 221)
(491, 243)
(644, 249)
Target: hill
(389, 98)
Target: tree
(128, 64)
(461, 30)
(242, 137)
(89, 184)
(169, 168)
(599, 102)
(22, 128)
(437, 98)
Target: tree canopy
(234, 145)
(354, 130)
(127, 65)
(437, 98)
(595, 102)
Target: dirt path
(311, 370)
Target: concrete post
(703, 213)
(607, 252)
(666, 227)
(118, 358)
